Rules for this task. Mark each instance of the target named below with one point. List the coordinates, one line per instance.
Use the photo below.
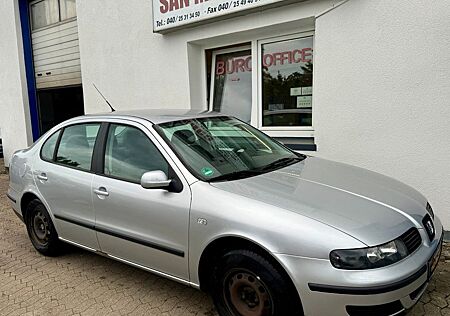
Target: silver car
(211, 202)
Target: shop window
(286, 75)
(47, 12)
(276, 95)
(231, 82)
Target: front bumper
(325, 290)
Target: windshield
(224, 148)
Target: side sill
(162, 274)
(77, 244)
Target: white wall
(14, 109)
(382, 91)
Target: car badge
(202, 221)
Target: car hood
(366, 205)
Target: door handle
(42, 177)
(101, 191)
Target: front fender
(278, 231)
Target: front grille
(375, 310)
(411, 239)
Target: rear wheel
(41, 230)
(245, 283)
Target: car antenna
(112, 109)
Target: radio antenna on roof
(112, 109)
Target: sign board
(304, 101)
(306, 90)
(296, 91)
(168, 14)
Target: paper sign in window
(306, 90)
(304, 101)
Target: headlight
(369, 258)
(430, 210)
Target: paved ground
(81, 283)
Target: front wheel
(41, 230)
(245, 283)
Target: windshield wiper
(235, 175)
(283, 162)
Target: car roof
(157, 116)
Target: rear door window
(77, 145)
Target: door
(148, 227)
(64, 180)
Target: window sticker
(207, 171)
(304, 101)
(306, 90)
(296, 91)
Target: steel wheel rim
(246, 294)
(40, 228)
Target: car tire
(41, 230)
(245, 283)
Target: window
(223, 148)
(68, 9)
(48, 149)
(130, 153)
(47, 12)
(77, 145)
(276, 95)
(286, 74)
(44, 13)
(232, 83)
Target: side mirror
(155, 180)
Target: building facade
(360, 81)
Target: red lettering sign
(240, 64)
(234, 65)
(164, 7)
(172, 5)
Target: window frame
(260, 111)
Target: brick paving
(82, 283)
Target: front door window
(130, 153)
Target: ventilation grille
(411, 239)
